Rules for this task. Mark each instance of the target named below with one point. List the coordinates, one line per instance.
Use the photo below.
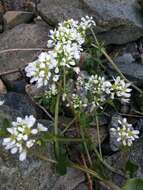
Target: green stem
(84, 142)
(98, 135)
(56, 125)
(64, 139)
(64, 80)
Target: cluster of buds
(66, 42)
(125, 132)
(22, 135)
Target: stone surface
(130, 67)
(14, 18)
(16, 5)
(120, 159)
(22, 36)
(69, 181)
(19, 102)
(15, 86)
(92, 132)
(118, 21)
(82, 187)
(3, 89)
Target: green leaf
(134, 184)
(47, 137)
(62, 165)
(6, 123)
(131, 168)
(3, 133)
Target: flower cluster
(41, 70)
(78, 102)
(121, 89)
(125, 132)
(66, 42)
(94, 91)
(99, 89)
(22, 135)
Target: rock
(138, 102)
(69, 181)
(35, 174)
(92, 132)
(118, 21)
(130, 67)
(19, 103)
(82, 187)
(129, 60)
(3, 89)
(15, 86)
(9, 113)
(120, 159)
(14, 18)
(17, 5)
(22, 36)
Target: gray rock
(93, 134)
(130, 67)
(22, 36)
(14, 18)
(17, 5)
(69, 181)
(35, 174)
(18, 102)
(15, 86)
(118, 21)
(120, 159)
(82, 187)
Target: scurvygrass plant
(67, 86)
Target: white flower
(78, 102)
(41, 127)
(66, 41)
(76, 69)
(1, 102)
(64, 96)
(121, 89)
(40, 71)
(22, 155)
(125, 132)
(87, 22)
(22, 135)
(99, 88)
